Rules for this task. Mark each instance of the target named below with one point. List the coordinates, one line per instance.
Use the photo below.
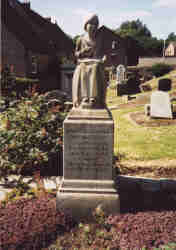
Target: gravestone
(121, 74)
(160, 105)
(122, 88)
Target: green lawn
(135, 142)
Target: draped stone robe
(88, 78)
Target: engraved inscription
(88, 150)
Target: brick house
(119, 50)
(31, 43)
(171, 49)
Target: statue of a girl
(89, 85)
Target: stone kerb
(140, 193)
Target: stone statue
(89, 86)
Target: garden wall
(149, 61)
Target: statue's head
(92, 19)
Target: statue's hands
(85, 52)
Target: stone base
(88, 157)
(88, 145)
(82, 197)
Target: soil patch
(151, 169)
(141, 119)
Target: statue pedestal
(88, 155)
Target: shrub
(25, 85)
(160, 69)
(30, 131)
(13, 86)
(31, 223)
(7, 80)
(144, 229)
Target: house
(113, 46)
(171, 49)
(32, 44)
(124, 51)
(119, 50)
(133, 50)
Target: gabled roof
(35, 32)
(106, 31)
(51, 32)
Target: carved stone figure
(88, 89)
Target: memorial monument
(88, 133)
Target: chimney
(26, 4)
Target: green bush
(7, 81)
(13, 86)
(30, 131)
(160, 69)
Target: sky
(158, 15)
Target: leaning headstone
(160, 105)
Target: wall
(115, 56)
(13, 52)
(149, 61)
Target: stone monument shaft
(88, 137)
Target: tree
(135, 29)
(139, 31)
(171, 37)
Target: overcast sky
(158, 15)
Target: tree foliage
(135, 29)
(171, 37)
(151, 46)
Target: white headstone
(160, 105)
(121, 73)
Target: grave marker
(121, 71)
(160, 105)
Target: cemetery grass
(142, 150)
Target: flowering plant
(30, 130)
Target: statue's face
(91, 28)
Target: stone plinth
(88, 155)
(88, 145)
